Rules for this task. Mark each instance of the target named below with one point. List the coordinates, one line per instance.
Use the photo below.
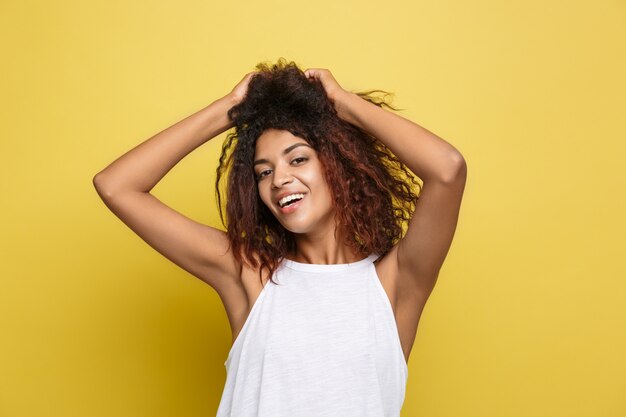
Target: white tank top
(322, 343)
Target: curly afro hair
(373, 193)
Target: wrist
(230, 100)
(217, 119)
(344, 102)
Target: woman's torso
(338, 317)
(401, 302)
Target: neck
(324, 248)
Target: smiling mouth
(290, 199)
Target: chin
(297, 230)
(301, 228)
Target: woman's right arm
(125, 185)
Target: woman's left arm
(441, 167)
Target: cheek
(264, 195)
(323, 186)
(317, 178)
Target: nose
(281, 177)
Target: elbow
(461, 166)
(97, 181)
(457, 169)
(101, 187)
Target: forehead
(274, 141)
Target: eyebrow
(285, 152)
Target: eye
(263, 174)
(299, 160)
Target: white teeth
(288, 198)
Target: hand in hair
(239, 91)
(331, 86)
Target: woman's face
(291, 182)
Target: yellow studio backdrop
(528, 318)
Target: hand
(332, 88)
(239, 91)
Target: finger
(312, 72)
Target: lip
(285, 194)
(292, 207)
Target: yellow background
(528, 318)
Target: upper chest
(405, 311)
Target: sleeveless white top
(322, 343)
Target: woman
(320, 207)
